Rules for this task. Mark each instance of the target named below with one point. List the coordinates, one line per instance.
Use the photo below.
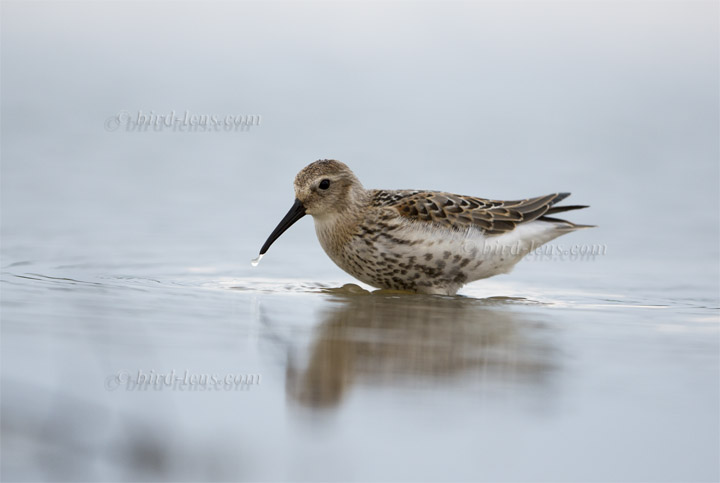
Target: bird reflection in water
(384, 339)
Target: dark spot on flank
(428, 256)
(446, 255)
(464, 262)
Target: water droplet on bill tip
(254, 262)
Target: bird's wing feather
(459, 212)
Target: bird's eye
(324, 184)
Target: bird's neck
(335, 229)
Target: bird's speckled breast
(384, 253)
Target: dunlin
(420, 241)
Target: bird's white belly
(466, 256)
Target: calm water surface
(511, 380)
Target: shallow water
(126, 255)
(511, 380)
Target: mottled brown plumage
(457, 212)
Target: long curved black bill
(296, 212)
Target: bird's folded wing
(462, 212)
